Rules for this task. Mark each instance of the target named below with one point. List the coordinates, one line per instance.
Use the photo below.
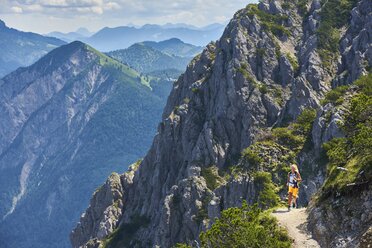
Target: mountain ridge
(147, 57)
(75, 111)
(246, 108)
(22, 48)
(109, 39)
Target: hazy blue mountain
(22, 48)
(79, 34)
(176, 47)
(147, 57)
(108, 39)
(66, 123)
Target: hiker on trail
(293, 180)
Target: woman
(293, 179)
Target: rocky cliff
(243, 110)
(66, 123)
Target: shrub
(354, 151)
(268, 196)
(286, 6)
(245, 227)
(293, 61)
(243, 70)
(123, 235)
(333, 16)
(272, 23)
(195, 90)
(263, 89)
(261, 52)
(305, 120)
(252, 157)
(335, 96)
(211, 177)
(286, 138)
(302, 7)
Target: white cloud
(16, 9)
(96, 14)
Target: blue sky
(44, 16)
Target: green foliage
(186, 100)
(243, 70)
(203, 210)
(179, 245)
(365, 84)
(286, 6)
(195, 90)
(252, 157)
(146, 59)
(261, 52)
(247, 226)
(268, 196)
(335, 95)
(211, 177)
(301, 5)
(272, 23)
(354, 151)
(277, 49)
(123, 236)
(287, 137)
(305, 120)
(263, 89)
(334, 15)
(293, 61)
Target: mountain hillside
(109, 39)
(66, 122)
(146, 59)
(175, 47)
(245, 109)
(22, 48)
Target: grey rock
(215, 110)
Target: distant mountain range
(150, 56)
(175, 47)
(66, 122)
(79, 34)
(22, 48)
(108, 39)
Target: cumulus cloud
(16, 9)
(121, 12)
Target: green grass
(211, 176)
(294, 62)
(272, 23)
(243, 70)
(301, 5)
(334, 15)
(354, 151)
(335, 96)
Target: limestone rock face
(246, 81)
(105, 210)
(352, 230)
(355, 45)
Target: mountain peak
(174, 40)
(2, 24)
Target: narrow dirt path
(295, 222)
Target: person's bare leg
(289, 199)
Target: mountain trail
(295, 221)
